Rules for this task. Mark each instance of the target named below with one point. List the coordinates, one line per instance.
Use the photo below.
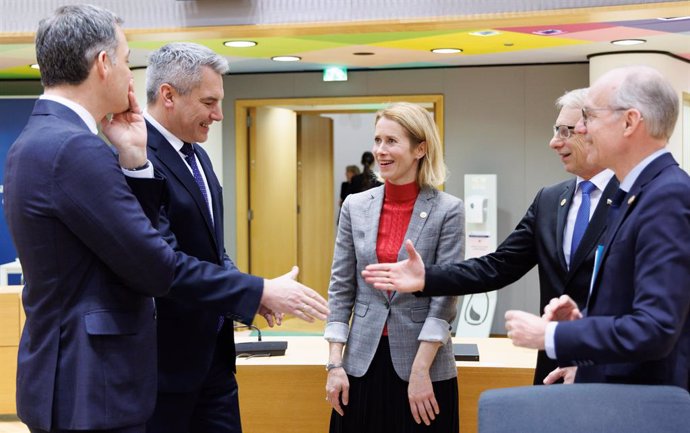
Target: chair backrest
(591, 408)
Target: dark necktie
(190, 157)
(582, 219)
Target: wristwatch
(330, 366)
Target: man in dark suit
(543, 237)
(636, 326)
(91, 259)
(197, 390)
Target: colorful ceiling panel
(393, 47)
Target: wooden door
(272, 191)
(315, 219)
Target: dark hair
(367, 179)
(68, 42)
(367, 160)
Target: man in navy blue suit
(197, 390)
(91, 258)
(635, 327)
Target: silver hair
(68, 42)
(572, 99)
(179, 64)
(646, 90)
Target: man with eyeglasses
(543, 238)
(636, 327)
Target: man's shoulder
(554, 192)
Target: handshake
(284, 295)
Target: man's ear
(632, 119)
(101, 64)
(167, 94)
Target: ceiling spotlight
(446, 50)
(239, 44)
(628, 42)
(34, 66)
(286, 58)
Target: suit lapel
(631, 200)
(422, 209)
(372, 213)
(564, 202)
(215, 191)
(420, 214)
(169, 157)
(371, 217)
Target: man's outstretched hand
(405, 276)
(285, 295)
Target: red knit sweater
(398, 203)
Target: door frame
(242, 107)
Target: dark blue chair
(591, 408)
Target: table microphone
(260, 348)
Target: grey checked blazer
(437, 231)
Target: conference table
(287, 393)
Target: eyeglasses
(587, 112)
(563, 131)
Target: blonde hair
(420, 127)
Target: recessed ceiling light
(628, 42)
(446, 50)
(673, 18)
(286, 58)
(34, 66)
(485, 33)
(239, 44)
(363, 53)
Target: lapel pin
(631, 200)
(423, 215)
(563, 202)
(609, 201)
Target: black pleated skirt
(379, 404)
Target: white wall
(497, 120)
(353, 134)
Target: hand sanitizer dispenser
(475, 208)
(476, 312)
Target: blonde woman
(391, 364)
